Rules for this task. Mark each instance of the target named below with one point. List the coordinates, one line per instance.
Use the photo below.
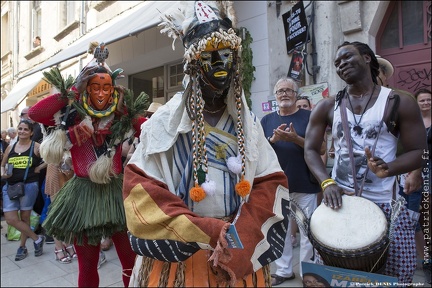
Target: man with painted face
(89, 206)
(203, 173)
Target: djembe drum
(354, 236)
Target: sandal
(277, 280)
(72, 254)
(63, 260)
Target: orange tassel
(197, 193)
(243, 188)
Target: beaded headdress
(207, 26)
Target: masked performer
(92, 120)
(204, 173)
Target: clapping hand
(285, 133)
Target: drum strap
(347, 133)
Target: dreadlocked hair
(339, 97)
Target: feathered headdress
(198, 23)
(206, 26)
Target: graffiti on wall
(414, 79)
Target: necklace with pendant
(357, 128)
(214, 112)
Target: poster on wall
(315, 92)
(296, 66)
(295, 25)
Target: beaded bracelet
(327, 183)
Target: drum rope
(381, 256)
(299, 216)
(396, 209)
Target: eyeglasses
(286, 91)
(302, 98)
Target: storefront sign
(42, 88)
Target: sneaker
(21, 253)
(427, 271)
(102, 259)
(294, 241)
(49, 239)
(39, 247)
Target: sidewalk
(45, 271)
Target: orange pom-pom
(243, 188)
(197, 193)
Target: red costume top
(85, 150)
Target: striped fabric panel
(216, 137)
(163, 250)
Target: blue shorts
(24, 203)
(413, 201)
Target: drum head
(357, 224)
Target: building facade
(37, 35)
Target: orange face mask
(100, 91)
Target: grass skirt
(83, 207)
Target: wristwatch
(268, 139)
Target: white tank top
(378, 190)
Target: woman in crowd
(23, 155)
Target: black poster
(295, 26)
(296, 66)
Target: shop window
(150, 81)
(175, 75)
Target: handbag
(17, 190)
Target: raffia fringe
(267, 275)
(180, 275)
(83, 207)
(144, 273)
(163, 280)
